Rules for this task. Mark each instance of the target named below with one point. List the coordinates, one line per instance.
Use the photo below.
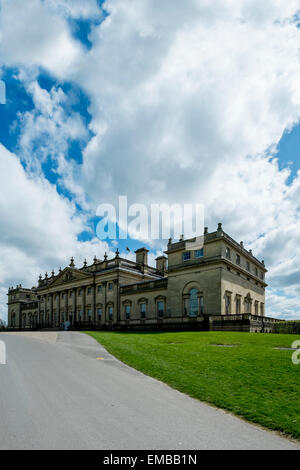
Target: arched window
(193, 303)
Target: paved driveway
(56, 393)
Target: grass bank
(251, 379)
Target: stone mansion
(218, 287)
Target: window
(256, 272)
(99, 311)
(79, 315)
(143, 310)
(99, 288)
(193, 303)
(71, 294)
(261, 275)
(160, 308)
(187, 256)
(247, 304)
(110, 313)
(79, 292)
(62, 295)
(89, 312)
(238, 259)
(227, 304)
(228, 254)
(262, 309)
(256, 307)
(238, 305)
(248, 266)
(89, 291)
(199, 253)
(110, 286)
(127, 312)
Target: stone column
(58, 309)
(51, 310)
(75, 305)
(105, 302)
(67, 306)
(94, 302)
(84, 303)
(39, 309)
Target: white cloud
(39, 228)
(188, 100)
(47, 131)
(37, 38)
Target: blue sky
(162, 102)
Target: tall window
(99, 288)
(247, 306)
(228, 304)
(110, 286)
(99, 311)
(160, 308)
(110, 313)
(143, 310)
(248, 266)
(79, 315)
(262, 309)
(238, 259)
(89, 312)
(193, 303)
(127, 312)
(228, 254)
(238, 305)
(256, 307)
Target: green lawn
(252, 380)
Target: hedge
(287, 327)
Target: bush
(287, 327)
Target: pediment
(69, 275)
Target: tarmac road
(64, 391)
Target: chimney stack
(161, 264)
(142, 256)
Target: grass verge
(252, 380)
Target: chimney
(161, 263)
(142, 256)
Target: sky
(164, 102)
